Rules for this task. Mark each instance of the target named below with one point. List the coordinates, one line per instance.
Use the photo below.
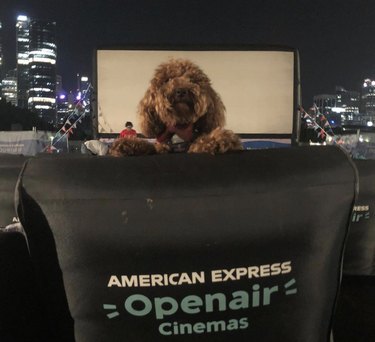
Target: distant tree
(24, 118)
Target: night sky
(335, 39)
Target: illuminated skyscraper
(9, 88)
(42, 69)
(368, 97)
(22, 47)
(1, 53)
(59, 87)
(1, 62)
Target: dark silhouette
(22, 119)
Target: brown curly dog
(183, 112)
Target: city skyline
(13, 63)
(333, 38)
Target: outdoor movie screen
(256, 86)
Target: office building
(9, 87)
(325, 102)
(59, 86)
(1, 54)
(63, 109)
(1, 59)
(348, 100)
(368, 97)
(82, 83)
(22, 51)
(340, 108)
(42, 69)
(9, 90)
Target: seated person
(128, 131)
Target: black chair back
(243, 246)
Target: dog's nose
(181, 92)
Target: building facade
(36, 66)
(9, 88)
(368, 97)
(1, 60)
(325, 103)
(42, 69)
(22, 51)
(348, 99)
(341, 108)
(1, 54)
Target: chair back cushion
(359, 256)
(243, 246)
(10, 167)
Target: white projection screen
(258, 87)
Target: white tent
(28, 143)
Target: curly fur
(156, 109)
(179, 94)
(131, 146)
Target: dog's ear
(150, 123)
(215, 115)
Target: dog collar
(185, 132)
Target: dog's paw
(162, 148)
(216, 142)
(131, 146)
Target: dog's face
(180, 94)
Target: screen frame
(293, 138)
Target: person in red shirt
(128, 131)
